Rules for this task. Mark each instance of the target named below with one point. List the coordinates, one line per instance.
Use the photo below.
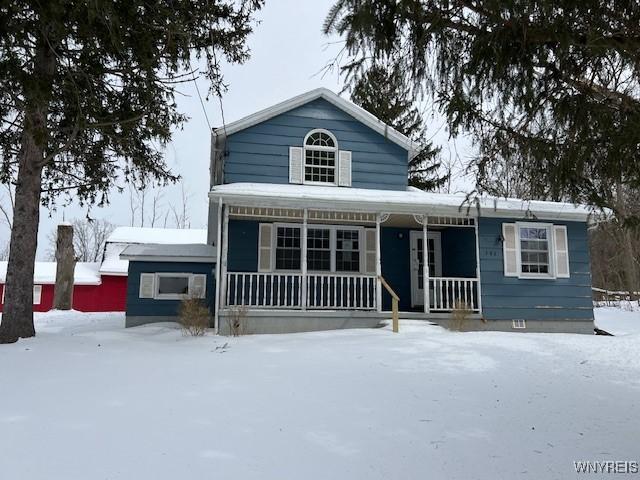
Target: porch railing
(449, 293)
(284, 290)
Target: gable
(260, 153)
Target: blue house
(310, 211)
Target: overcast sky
(288, 53)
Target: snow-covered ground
(87, 399)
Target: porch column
(218, 294)
(475, 225)
(378, 267)
(425, 264)
(303, 279)
(225, 251)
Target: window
(288, 249)
(320, 151)
(519, 324)
(534, 250)
(172, 286)
(178, 285)
(319, 249)
(347, 250)
(329, 248)
(37, 294)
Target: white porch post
(303, 280)
(225, 251)
(378, 267)
(425, 264)
(218, 291)
(475, 223)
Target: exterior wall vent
(519, 324)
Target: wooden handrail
(394, 303)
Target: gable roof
(346, 106)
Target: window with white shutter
(265, 238)
(295, 165)
(147, 285)
(370, 251)
(562, 251)
(509, 250)
(198, 286)
(344, 170)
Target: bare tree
(181, 213)
(6, 205)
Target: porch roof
(409, 201)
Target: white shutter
(344, 168)
(370, 251)
(147, 285)
(295, 165)
(198, 285)
(509, 250)
(264, 247)
(37, 294)
(562, 251)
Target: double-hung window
(329, 248)
(288, 249)
(347, 250)
(320, 152)
(535, 249)
(319, 249)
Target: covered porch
(278, 261)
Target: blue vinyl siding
(243, 246)
(137, 306)
(261, 153)
(508, 298)
(458, 252)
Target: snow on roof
(343, 104)
(157, 235)
(85, 273)
(122, 237)
(175, 252)
(410, 200)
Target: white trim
(346, 106)
(361, 200)
(218, 290)
(378, 266)
(418, 299)
(37, 293)
(551, 252)
(161, 258)
(332, 239)
(320, 148)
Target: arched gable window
(320, 157)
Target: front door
(417, 259)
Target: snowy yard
(87, 399)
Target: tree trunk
(65, 266)
(17, 315)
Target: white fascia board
(345, 105)
(160, 258)
(257, 200)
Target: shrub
(194, 317)
(459, 316)
(236, 319)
